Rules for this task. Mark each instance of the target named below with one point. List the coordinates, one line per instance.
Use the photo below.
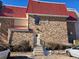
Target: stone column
(9, 34)
(38, 40)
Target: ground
(55, 56)
(23, 55)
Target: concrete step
(38, 51)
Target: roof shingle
(47, 8)
(10, 11)
(72, 16)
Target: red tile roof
(10, 11)
(72, 15)
(47, 8)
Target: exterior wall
(5, 24)
(52, 29)
(22, 22)
(20, 37)
(11, 23)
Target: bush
(3, 47)
(22, 47)
(56, 46)
(50, 46)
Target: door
(71, 31)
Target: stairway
(38, 50)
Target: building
(53, 21)
(71, 24)
(13, 19)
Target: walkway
(22, 55)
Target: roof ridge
(50, 2)
(70, 9)
(15, 6)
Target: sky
(24, 3)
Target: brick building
(53, 21)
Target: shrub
(23, 46)
(3, 47)
(50, 45)
(56, 46)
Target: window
(37, 20)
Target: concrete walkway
(23, 55)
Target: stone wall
(5, 24)
(16, 37)
(22, 41)
(19, 37)
(52, 29)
